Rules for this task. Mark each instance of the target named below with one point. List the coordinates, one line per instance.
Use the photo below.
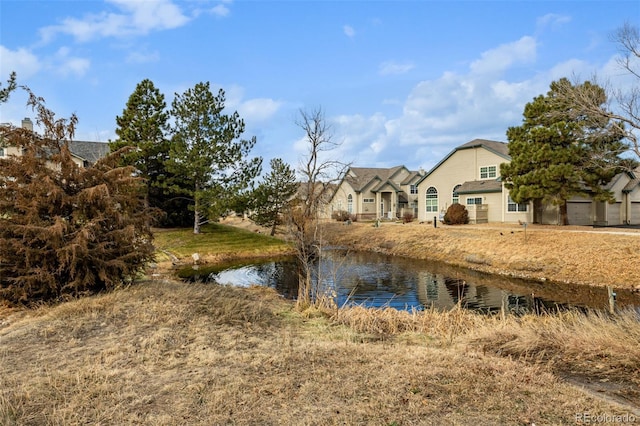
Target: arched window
(350, 203)
(455, 198)
(432, 200)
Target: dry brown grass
(580, 255)
(592, 348)
(168, 353)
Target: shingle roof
(410, 178)
(631, 185)
(89, 151)
(360, 177)
(500, 148)
(480, 186)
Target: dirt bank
(580, 255)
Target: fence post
(612, 300)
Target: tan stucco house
(470, 175)
(84, 153)
(377, 193)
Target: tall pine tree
(557, 154)
(272, 197)
(206, 149)
(143, 125)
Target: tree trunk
(564, 217)
(196, 212)
(273, 228)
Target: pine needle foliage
(66, 230)
(271, 199)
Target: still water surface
(375, 280)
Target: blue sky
(400, 82)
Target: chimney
(27, 124)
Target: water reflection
(375, 280)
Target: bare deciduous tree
(626, 117)
(319, 174)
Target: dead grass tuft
(392, 322)
(592, 347)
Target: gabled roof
(412, 176)
(632, 184)
(499, 148)
(361, 177)
(480, 186)
(89, 151)
(384, 183)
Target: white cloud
(135, 18)
(552, 20)
(65, 64)
(258, 110)
(22, 61)
(391, 67)
(454, 108)
(142, 57)
(504, 56)
(220, 10)
(349, 31)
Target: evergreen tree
(557, 154)
(143, 125)
(271, 198)
(66, 230)
(206, 149)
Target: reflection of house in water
(432, 291)
(445, 293)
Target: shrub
(456, 214)
(407, 218)
(341, 215)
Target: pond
(376, 280)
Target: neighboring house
(470, 175)
(377, 193)
(626, 208)
(84, 153)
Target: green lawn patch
(218, 240)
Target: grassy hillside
(169, 353)
(163, 352)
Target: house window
(413, 189)
(368, 200)
(1, 151)
(350, 203)
(488, 172)
(432, 199)
(512, 206)
(455, 198)
(472, 201)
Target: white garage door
(613, 214)
(579, 213)
(635, 213)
